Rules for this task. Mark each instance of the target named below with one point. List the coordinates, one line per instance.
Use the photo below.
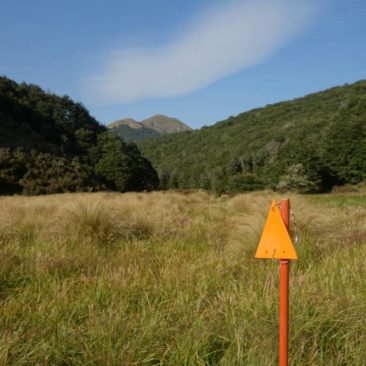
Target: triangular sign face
(275, 242)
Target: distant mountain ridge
(132, 130)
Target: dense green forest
(309, 144)
(51, 144)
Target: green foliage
(50, 144)
(52, 174)
(244, 182)
(324, 132)
(295, 179)
(345, 146)
(122, 166)
(12, 168)
(33, 119)
(143, 175)
(113, 164)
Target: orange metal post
(284, 292)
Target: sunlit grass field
(169, 278)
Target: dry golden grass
(168, 278)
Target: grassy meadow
(169, 278)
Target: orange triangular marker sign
(275, 242)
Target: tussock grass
(169, 279)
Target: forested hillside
(308, 144)
(51, 144)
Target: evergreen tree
(122, 166)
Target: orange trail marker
(275, 242)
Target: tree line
(51, 144)
(309, 144)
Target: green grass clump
(170, 279)
(341, 200)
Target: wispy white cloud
(220, 41)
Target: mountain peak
(159, 124)
(164, 124)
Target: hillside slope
(51, 144)
(131, 130)
(309, 144)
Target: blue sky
(198, 60)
